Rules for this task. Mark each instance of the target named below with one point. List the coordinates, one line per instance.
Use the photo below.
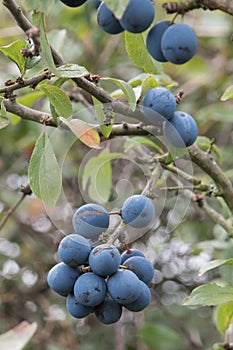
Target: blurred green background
(29, 240)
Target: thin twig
(189, 5)
(32, 82)
(179, 326)
(206, 162)
(25, 192)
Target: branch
(83, 82)
(21, 83)
(28, 113)
(26, 191)
(189, 5)
(205, 161)
(193, 343)
(201, 202)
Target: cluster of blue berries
(173, 42)
(95, 277)
(137, 17)
(166, 41)
(159, 107)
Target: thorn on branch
(46, 119)
(26, 190)
(33, 34)
(183, 7)
(179, 96)
(95, 78)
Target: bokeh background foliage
(29, 240)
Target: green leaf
(101, 118)
(30, 98)
(137, 52)
(214, 264)
(209, 295)
(224, 316)
(46, 53)
(31, 62)
(127, 90)
(228, 93)
(148, 83)
(118, 7)
(44, 172)
(4, 119)
(58, 99)
(17, 337)
(39, 5)
(71, 71)
(97, 176)
(83, 131)
(13, 52)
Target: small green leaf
(137, 52)
(224, 316)
(13, 52)
(228, 93)
(214, 264)
(4, 119)
(46, 53)
(118, 7)
(71, 71)
(148, 83)
(44, 172)
(127, 90)
(209, 295)
(17, 337)
(101, 118)
(58, 99)
(31, 62)
(97, 176)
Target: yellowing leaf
(228, 93)
(84, 132)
